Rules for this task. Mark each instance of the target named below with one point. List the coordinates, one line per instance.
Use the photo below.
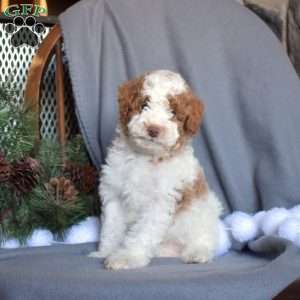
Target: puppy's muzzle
(154, 131)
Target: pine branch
(56, 216)
(17, 130)
(76, 150)
(20, 214)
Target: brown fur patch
(130, 100)
(188, 110)
(192, 193)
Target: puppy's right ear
(130, 99)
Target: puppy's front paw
(194, 256)
(125, 260)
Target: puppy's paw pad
(116, 264)
(123, 262)
(195, 257)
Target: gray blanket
(66, 273)
(249, 144)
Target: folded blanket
(249, 144)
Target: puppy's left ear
(195, 112)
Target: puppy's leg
(112, 229)
(196, 227)
(142, 238)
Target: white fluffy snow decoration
(85, 232)
(295, 211)
(11, 244)
(40, 237)
(273, 219)
(258, 217)
(236, 227)
(224, 242)
(290, 230)
(242, 226)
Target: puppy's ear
(129, 95)
(194, 114)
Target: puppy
(156, 201)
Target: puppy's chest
(143, 182)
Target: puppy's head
(159, 112)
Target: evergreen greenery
(21, 214)
(16, 126)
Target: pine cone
(5, 169)
(62, 189)
(85, 177)
(25, 175)
(34, 165)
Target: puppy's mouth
(150, 140)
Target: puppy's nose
(153, 131)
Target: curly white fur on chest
(140, 182)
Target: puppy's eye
(145, 104)
(173, 112)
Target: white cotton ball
(295, 211)
(224, 242)
(243, 227)
(86, 231)
(40, 237)
(258, 219)
(290, 230)
(11, 244)
(273, 218)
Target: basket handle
(60, 98)
(50, 45)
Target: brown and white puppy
(156, 201)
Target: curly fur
(188, 111)
(130, 100)
(156, 201)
